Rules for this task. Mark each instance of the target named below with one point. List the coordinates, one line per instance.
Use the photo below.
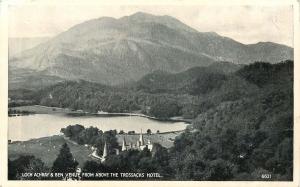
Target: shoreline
(57, 110)
(152, 136)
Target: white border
(4, 89)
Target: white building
(140, 145)
(104, 155)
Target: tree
(64, 163)
(161, 158)
(25, 164)
(72, 131)
(191, 168)
(12, 171)
(164, 108)
(131, 132)
(220, 170)
(35, 166)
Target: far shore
(166, 139)
(40, 109)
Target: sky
(246, 24)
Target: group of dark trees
(25, 164)
(133, 161)
(12, 112)
(92, 136)
(242, 127)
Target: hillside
(242, 120)
(194, 81)
(245, 137)
(117, 51)
(47, 149)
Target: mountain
(116, 51)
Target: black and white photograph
(150, 92)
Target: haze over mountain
(17, 45)
(115, 51)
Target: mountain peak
(113, 51)
(142, 14)
(169, 21)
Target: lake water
(40, 125)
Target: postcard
(151, 92)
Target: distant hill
(197, 80)
(194, 90)
(117, 51)
(17, 45)
(262, 73)
(22, 78)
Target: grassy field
(47, 149)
